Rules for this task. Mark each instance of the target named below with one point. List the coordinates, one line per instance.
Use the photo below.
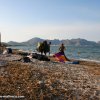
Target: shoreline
(19, 52)
(77, 55)
(80, 59)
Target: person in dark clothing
(62, 48)
(49, 48)
(45, 47)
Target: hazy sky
(21, 20)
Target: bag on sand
(35, 55)
(43, 58)
(26, 59)
(9, 51)
(40, 57)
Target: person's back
(62, 48)
(45, 47)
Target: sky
(21, 20)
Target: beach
(49, 80)
(49, 49)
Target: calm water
(76, 52)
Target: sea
(91, 53)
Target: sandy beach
(49, 80)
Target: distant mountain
(55, 41)
(75, 42)
(79, 42)
(14, 43)
(33, 41)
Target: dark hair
(49, 42)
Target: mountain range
(75, 42)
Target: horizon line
(52, 39)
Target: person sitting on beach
(9, 50)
